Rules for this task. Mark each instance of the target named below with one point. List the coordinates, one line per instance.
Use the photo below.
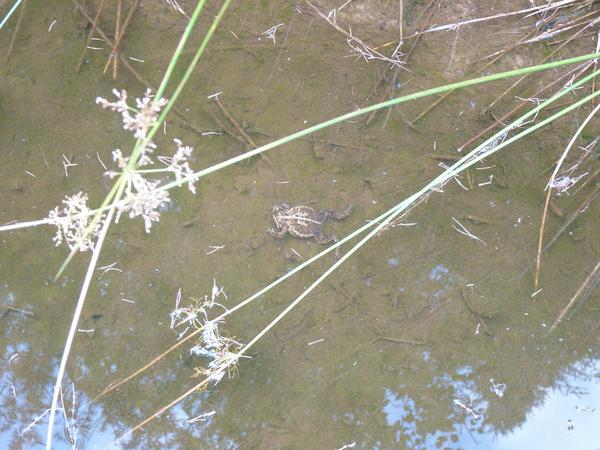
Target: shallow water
(385, 353)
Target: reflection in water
(566, 419)
(402, 414)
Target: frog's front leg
(279, 234)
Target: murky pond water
(423, 339)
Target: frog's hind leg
(339, 215)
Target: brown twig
(186, 122)
(235, 123)
(115, 51)
(589, 283)
(489, 63)
(456, 25)
(432, 106)
(389, 90)
(398, 340)
(538, 259)
(350, 37)
(120, 35)
(117, 384)
(249, 141)
(90, 35)
(201, 385)
(580, 209)
(14, 35)
(8, 308)
(546, 58)
(476, 314)
(550, 187)
(595, 67)
(444, 158)
(588, 181)
(581, 68)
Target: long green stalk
(340, 119)
(179, 50)
(368, 109)
(186, 76)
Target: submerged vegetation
(142, 181)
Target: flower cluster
(179, 165)
(74, 223)
(144, 117)
(142, 197)
(221, 351)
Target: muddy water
(423, 339)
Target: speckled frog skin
(304, 222)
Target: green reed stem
(179, 50)
(186, 76)
(386, 104)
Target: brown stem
(249, 141)
(122, 32)
(590, 281)
(90, 35)
(523, 103)
(116, 384)
(134, 72)
(14, 35)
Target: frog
(304, 222)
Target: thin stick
(14, 309)
(430, 107)
(117, 39)
(500, 53)
(123, 30)
(90, 35)
(391, 85)
(400, 16)
(549, 194)
(14, 35)
(398, 340)
(582, 207)
(351, 38)
(134, 72)
(235, 123)
(200, 385)
(546, 58)
(535, 9)
(590, 281)
(596, 63)
(523, 103)
(116, 385)
(249, 141)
